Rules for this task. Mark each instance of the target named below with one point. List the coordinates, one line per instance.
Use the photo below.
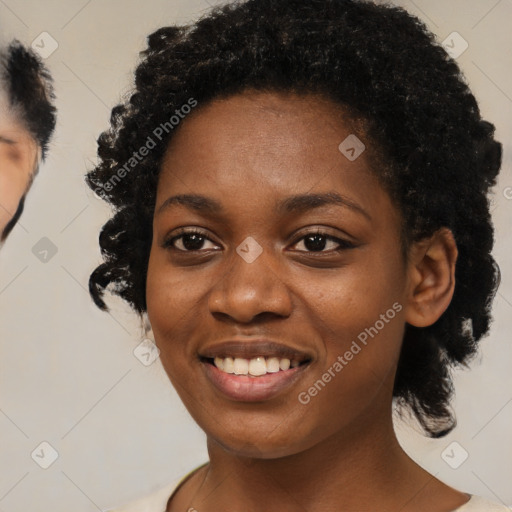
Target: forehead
(250, 150)
(9, 120)
(269, 131)
(17, 145)
(258, 112)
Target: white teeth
(284, 364)
(258, 366)
(272, 365)
(241, 366)
(228, 365)
(255, 367)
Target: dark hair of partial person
(29, 89)
(404, 96)
(14, 219)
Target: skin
(249, 152)
(19, 154)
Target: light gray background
(68, 375)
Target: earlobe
(431, 278)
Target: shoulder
(478, 504)
(155, 502)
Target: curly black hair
(437, 156)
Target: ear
(431, 273)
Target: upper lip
(249, 349)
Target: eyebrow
(294, 204)
(5, 140)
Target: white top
(157, 502)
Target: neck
(362, 466)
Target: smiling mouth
(254, 367)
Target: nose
(250, 290)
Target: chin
(263, 441)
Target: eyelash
(343, 244)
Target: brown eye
(318, 242)
(188, 241)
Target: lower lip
(243, 388)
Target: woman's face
(18, 162)
(298, 259)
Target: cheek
(358, 314)
(354, 297)
(174, 302)
(353, 380)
